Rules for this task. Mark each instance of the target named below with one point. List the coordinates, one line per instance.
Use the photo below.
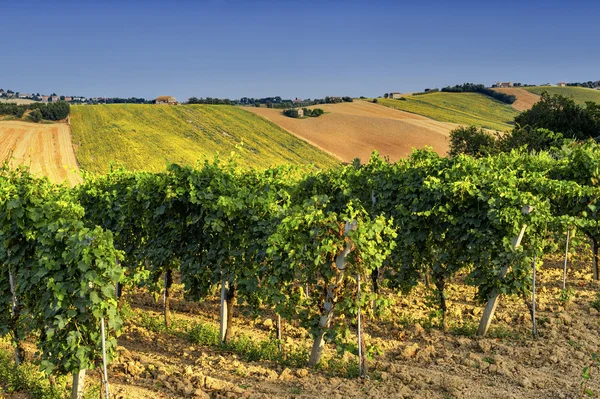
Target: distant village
(271, 102)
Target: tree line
(479, 88)
(49, 111)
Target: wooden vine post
(564, 285)
(533, 322)
(78, 384)
(330, 300)
(223, 325)
(104, 370)
(362, 362)
(492, 303)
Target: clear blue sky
(226, 48)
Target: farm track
(45, 148)
(352, 130)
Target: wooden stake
(105, 372)
(534, 324)
(78, 385)
(566, 257)
(223, 326)
(492, 303)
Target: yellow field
(354, 130)
(45, 148)
(462, 108)
(147, 137)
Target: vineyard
(328, 252)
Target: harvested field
(525, 99)
(355, 129)
(45, 148)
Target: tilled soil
(418, 359)
(354, 130)
(45, 148)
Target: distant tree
(35, 115)
(562, 115)
(62, 98)
(385, 95)
(292, 113)
(257, 104)
(375, 100)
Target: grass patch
(579, 94)
(465, 329)
(28, 379)
(463, 108)
(147, 137)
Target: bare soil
(418, 359)
(45, 148)
(525, 99)
(351, 130)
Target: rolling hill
(354, 130)
(146, 137)
(461, 108)
(525, 99)
(579, 94)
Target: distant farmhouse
(561, 84)
(395, 95)
(503, 84)
(166, 100)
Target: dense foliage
(479, 88)
(291, 239)
(50, 111)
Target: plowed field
(45, 148)
(355, 129)
(525, 99)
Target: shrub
(292, 113)
(471, 141)
(374, 101)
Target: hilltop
(579, 94)
(146, 137)
(461, 108)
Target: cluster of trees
(210, 100)
(589, 84)
(550, 123)
(294, 113)
(479, 88)
(50, 111)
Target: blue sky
(226, 48)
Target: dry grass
(352, 130)
(45, 148)
(525, 99)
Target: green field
(147, 137)
(579, 94)
(464, 108)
